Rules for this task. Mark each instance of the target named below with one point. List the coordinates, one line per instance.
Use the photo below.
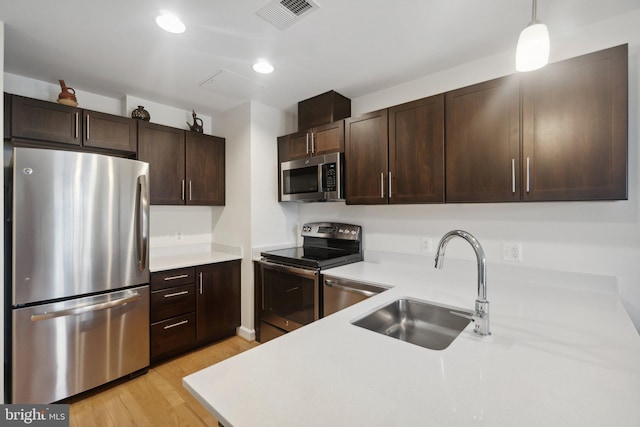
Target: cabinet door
(366, 143)
(108, 131)
(328, 138)
(575, 128)
(482, 150)
(45, 121)
(163, 148)
(294, 146)
(218, 300)
(205, 171)
(416, 151)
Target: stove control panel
(332, 230)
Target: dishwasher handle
(351, 289)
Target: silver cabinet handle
(87, 127)
(190, 191)
(175, 294)
(390, 185)
(183, 189)
(307, 142)
(179, 276)
(513, 175)
(382, 185)
(173, 325)
(76, 123)
(528, 175)
(313, 148)
(142, 222)
(200, 275)
(86, 308)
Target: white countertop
(563, 352)
(180, 256)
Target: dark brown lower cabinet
(218, 300)
(193, 306)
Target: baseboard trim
(246, 333)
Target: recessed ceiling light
(170, 22)
(262, 67)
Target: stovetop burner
(325, 245)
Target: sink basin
(425, 324)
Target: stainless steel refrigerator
(79, 315)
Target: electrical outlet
(512, 252)
(178, 236)
(426, 245)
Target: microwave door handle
(321, 188)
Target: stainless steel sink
(425, 324)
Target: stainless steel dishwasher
(341, 293)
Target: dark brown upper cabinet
(108, 131)
(321, 128)
(49, 122)
(319, 140)
(185, 167)
(323, 109)
(574, 134)
(163, 148)
(366, 159)
(416, 152)
(555, 134)
(205, 169)
(483, 142)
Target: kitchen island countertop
(563, 351)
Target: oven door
(290, 296)
(301, 180)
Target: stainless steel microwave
(314, 179)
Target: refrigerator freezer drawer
(61, 349)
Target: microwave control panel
(329, 177)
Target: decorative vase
(197, 123)
(67, 96)
(140, 114)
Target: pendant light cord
(533, 12)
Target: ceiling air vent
(283, 13)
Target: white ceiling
(113, 47)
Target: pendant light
(533, 45)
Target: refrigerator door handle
(142, 223)
(86, 308)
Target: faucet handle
(481, 318)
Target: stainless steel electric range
(291, 278)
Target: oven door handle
(289, 269)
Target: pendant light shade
(533, 45)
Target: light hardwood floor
(157, 398)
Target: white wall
(232, 224)
(590, 237)
(252, 217)
(271, 222)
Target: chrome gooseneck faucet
(481, 315)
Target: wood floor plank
(156, 398)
